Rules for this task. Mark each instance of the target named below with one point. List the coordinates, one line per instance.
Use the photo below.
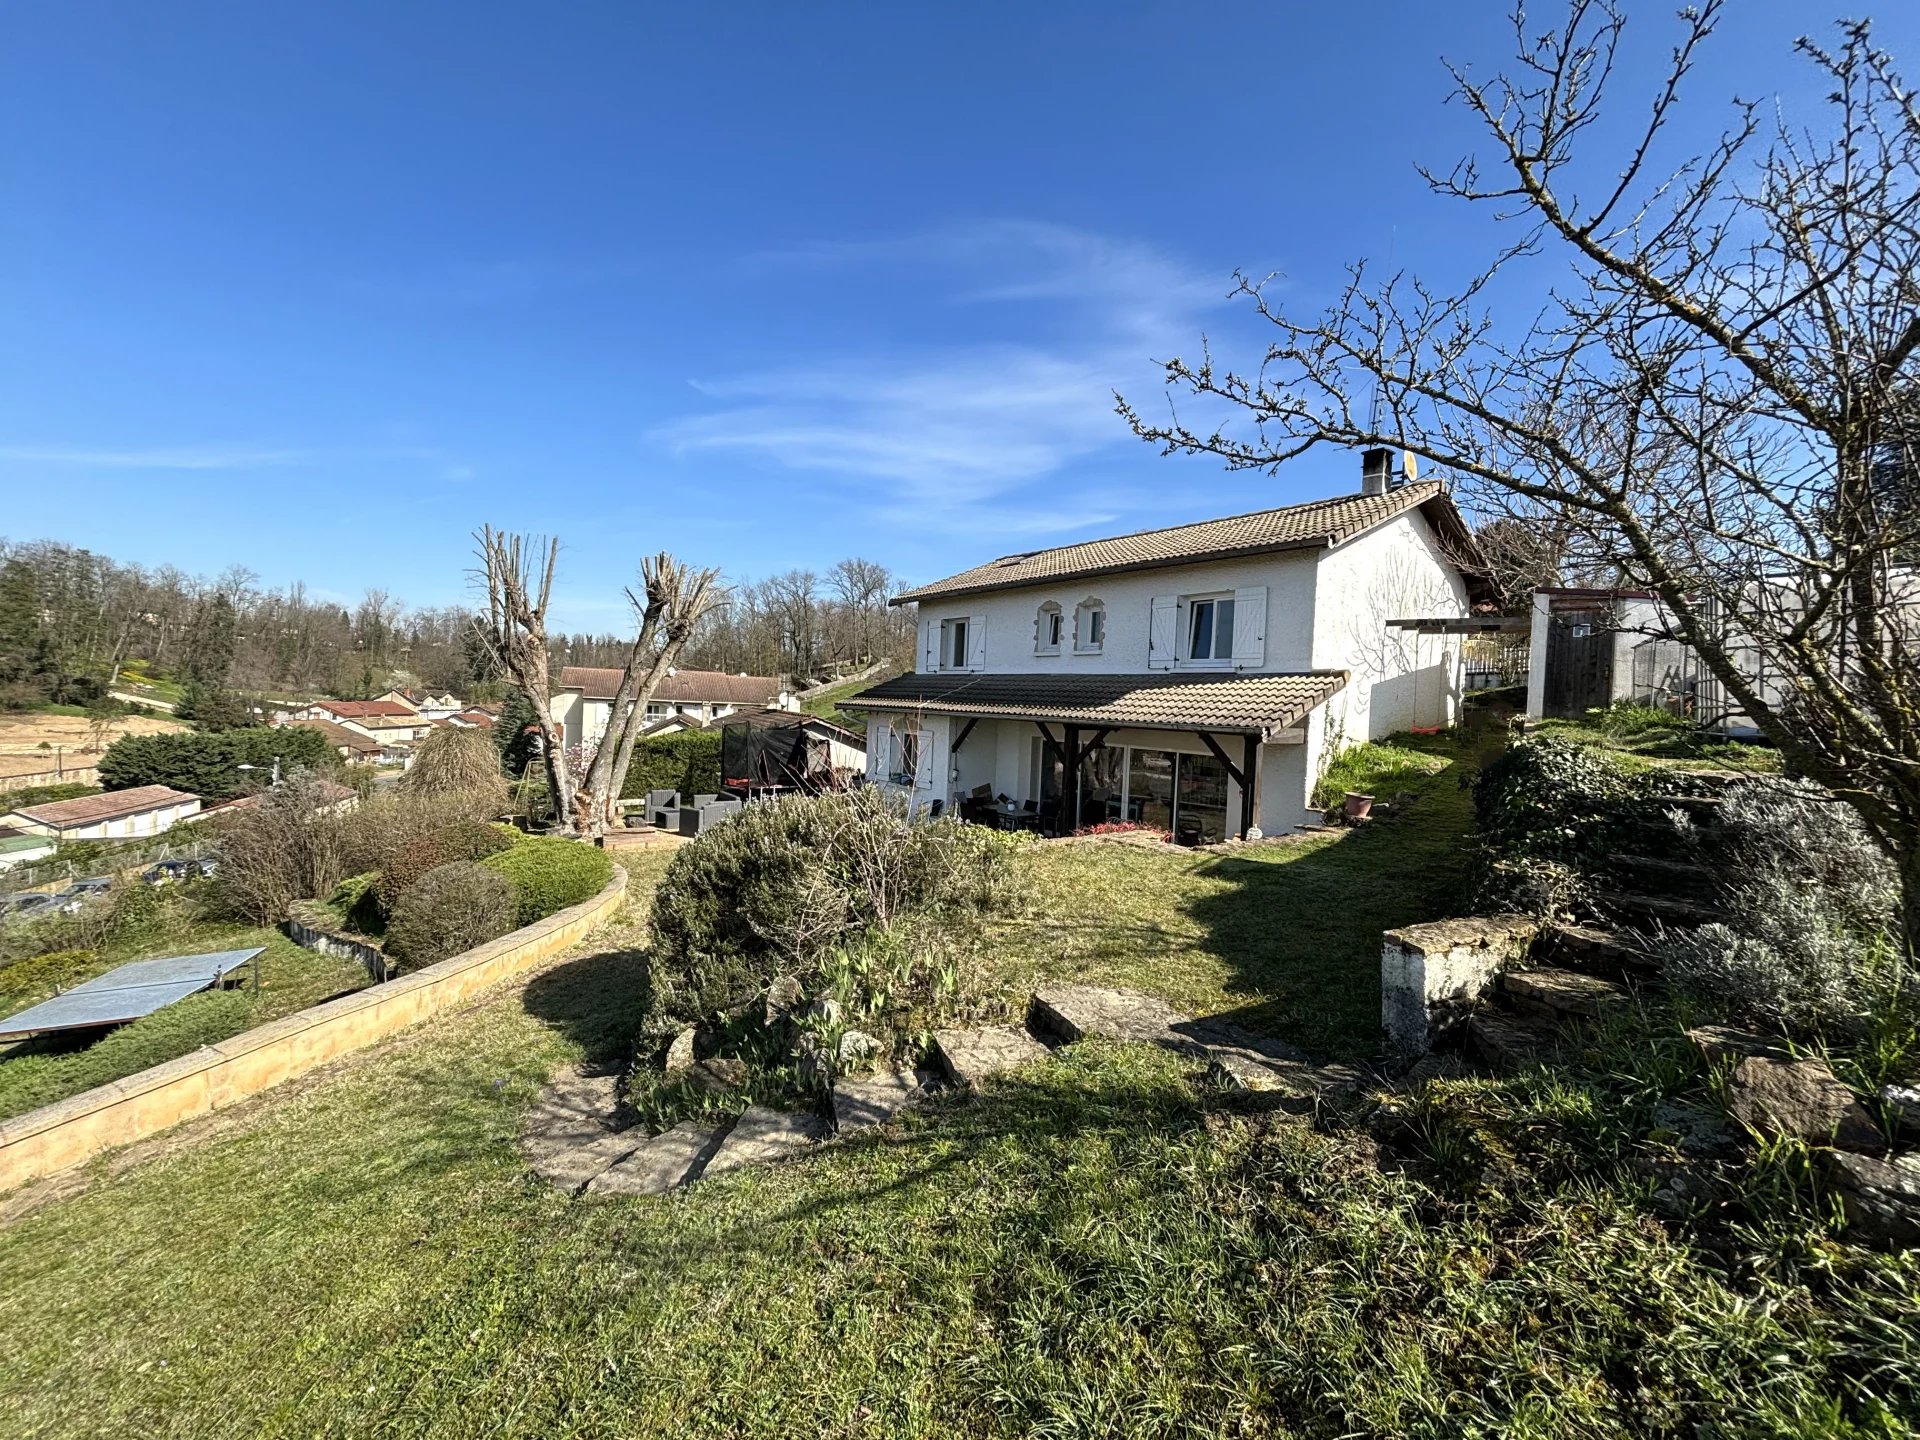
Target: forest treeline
(73, 623)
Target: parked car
(34, 904)
(168, 872)
(80, 892)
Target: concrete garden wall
(68, 1132)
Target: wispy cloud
(184, 457)
(953, 433)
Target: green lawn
(1283, 937)
(1643, 740)
(1097, 1248)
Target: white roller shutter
(1250, 627)
(1163, 631)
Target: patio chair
(663, 808)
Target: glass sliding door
(1103, 779)
(1200, 818)
(1150, 778)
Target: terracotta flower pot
(1358, 806)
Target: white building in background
(1196, 678)
(584, 702)
(111, 815)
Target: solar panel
(126, 993)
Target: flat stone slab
(1508, 1041)
(1881, 1198)
(1723, 1042)
(1073, 1012)
(971, 1057)
(572, 1168)
(1236, 1069)
(1563, 992)
(866, 1100)
(660, 1163)
(574, 1109)
(1803, 1099)
(761, 1136)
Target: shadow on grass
(1301, 933)
(597, 1001)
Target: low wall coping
(78, 1109)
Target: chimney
(1375, 468)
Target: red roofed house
(111, 815)
(387, 721)
(584, 703)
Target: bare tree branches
(1717, 400)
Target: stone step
(1507, 1041)
(863, 1101)
(761, 1136)
(970, 1057)
(1233, 1068)
(1561, 992)
(1073, 1012)
(574, 1109)
(1595, 950)
(1663, 910)
(572, 1168)
(1680, 872)
(659, 1163)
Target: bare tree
(1702, 401)
(673, 600)
(517, 571)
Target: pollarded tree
(1700, 403)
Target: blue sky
(317, 289)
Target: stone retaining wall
(68, 1132)
(342, 947)
(1430, 974)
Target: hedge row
(688, 762)
(549, 874)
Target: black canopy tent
(768, 749)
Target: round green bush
(778, 887)
(549, 874)
(449, 909)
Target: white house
(111, 815)
(584, 702)
(1196, 678)
(390, 722)
(428, 704)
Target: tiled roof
(1246, 704)
(1296, 527)
(685, 686)
(110, 805)
(367, 709)
(338, 735)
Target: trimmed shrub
(549, 874)
(783, 884)
(451, 908)
(406, 837)
(688, 762)
(1553, 799)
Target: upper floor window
(1210, 628)
(1048, 629)
(953, 644)
(1089, 627)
